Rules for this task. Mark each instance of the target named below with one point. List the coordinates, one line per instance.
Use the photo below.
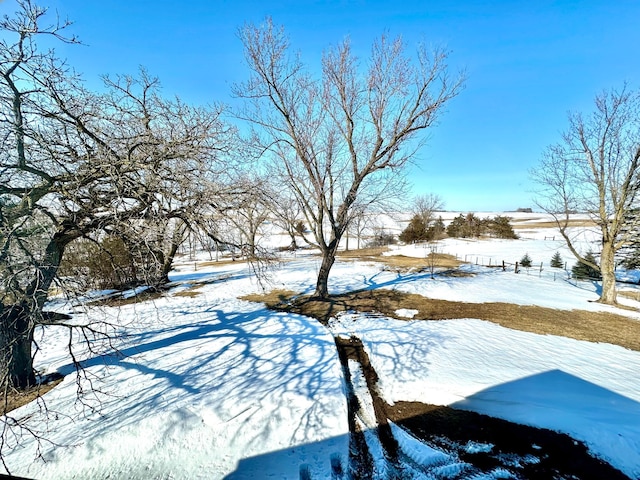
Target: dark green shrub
(416, 231)
(582, 271)
(437, 230)
(500, 227)
(466, 226)
(525, 261)
(556, 261)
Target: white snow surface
(211, 386)
(203, 387)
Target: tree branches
(594, 170)
(329, 138)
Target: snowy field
(209, 386)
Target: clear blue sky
(528, 64)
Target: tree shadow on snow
(264, 354)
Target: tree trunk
(18, 321)
(607, 270)
(322, 285)
(328, 259)
(294, 244)
(167, 264)
(16, 339)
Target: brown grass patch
(631, 294)
(528, 224)
(578, 324)
(192, 291)
(215, 263)
(401, 262)
(363, 252)
(276, 299)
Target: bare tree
(358, 225)
(78, 165)
(286, 213)
(250, 210)
(74, 164)
(594, 169)
(340, 139)
(426, 206)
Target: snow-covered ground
(210, 386)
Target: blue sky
(528, 64)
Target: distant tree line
(470, 226)
(462, 226)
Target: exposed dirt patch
(17, 398)
(488, 443)
(577, 324)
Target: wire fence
(538, 269)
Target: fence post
(517, 271)
(504, 267)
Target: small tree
(525, 261)
(556, 261)
(286, 214)
(456, 227)
(585, 271)
(629, 254)
(381, 238)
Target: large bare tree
(73, 164)
(594, 170)
(338, 140)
